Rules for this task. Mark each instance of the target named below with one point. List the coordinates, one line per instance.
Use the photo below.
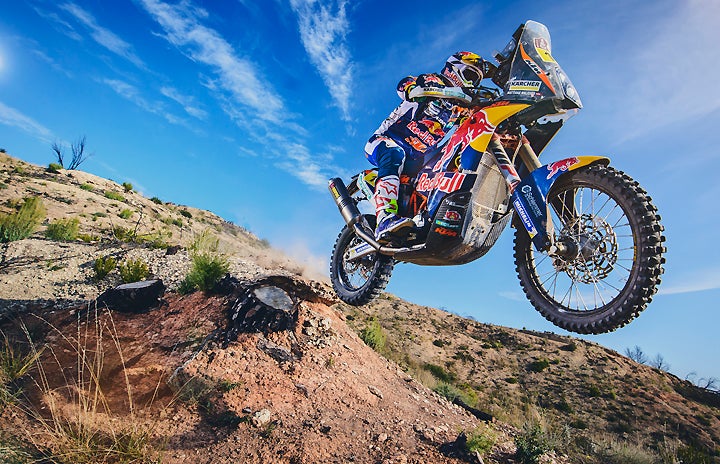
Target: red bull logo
(433, 127)
(562, 165)
(432, 79)
(440, 181)
(466, 133)
(425, 136)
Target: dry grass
(71, 421)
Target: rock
(171, 250)
(260, 307)
(261, 418)
(302, 388)
(458, 450)
(136, 297)
(277, 352)
(382, 438)
(375, 391)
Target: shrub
(133, 270)
(627, 453)
(63, 230)
(532, 442)
(564, 405)
(186, 213)
(374, 336)
(88, 238)
(156, 200)
(54, 168)
(13, 365)
(206, 272)
(2, 150)
(186, 286)
(572, 346)
(539, 365)
(481, 440)
(594, 391)
(114, 196)
(125, 214)
(87, 187)
(3, 186)
(22, 223)
(123, 234)
(157, 239)
(208, 264)
(104, 266)
(127, 186)
(439, 372)
(447, 390)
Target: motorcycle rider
(431, 105)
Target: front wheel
(360, 281)
(614, 230)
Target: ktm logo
(446, 232)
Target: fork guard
(529, 198)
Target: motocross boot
(386, 209)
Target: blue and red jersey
(419, 123)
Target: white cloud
(187, 102)
(299, 162)
(12, 117)
(234, 75)
(669, 73)
(60, 24)
(54, 64)
(243, 93)
(514, 296)
(103, 36)
(697, 281)
(323, 29)
(131, 93)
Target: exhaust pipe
(349, 210)
(353, 218)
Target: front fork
(529, 195)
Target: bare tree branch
(659, 362)
(78, 153)
(636, 354)
(710, 383)
(58, 153)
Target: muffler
(354, 218)
(349, 210)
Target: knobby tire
(377, 267)
(646, 255)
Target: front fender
(529, 198)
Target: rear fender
(529, 199)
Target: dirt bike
(588, 240)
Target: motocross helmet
(464, 69)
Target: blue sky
(246, 108)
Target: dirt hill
(270, 367)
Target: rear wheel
(359, 281)
(614, 232)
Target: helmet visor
(471, 75)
